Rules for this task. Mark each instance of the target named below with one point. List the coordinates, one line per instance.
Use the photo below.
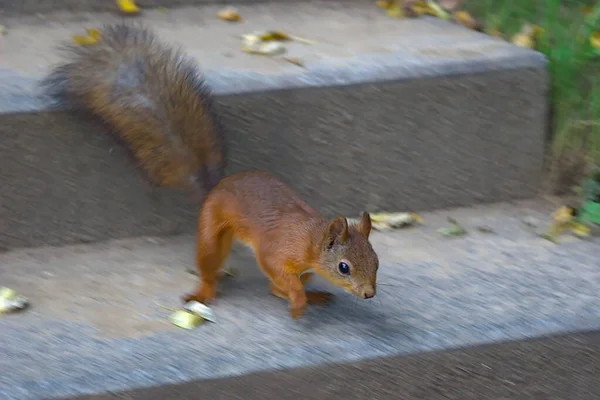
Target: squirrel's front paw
(204, 296)
(296, 311)
(317, 297)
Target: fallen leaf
(563, 214)
(184, 319)
(294, 60)
(264, 48)
(465, 19)
(422, 7)
(485, 229)
(494, 33)
(384, 4)
(92, 36)
(454, 230)
(229, 14)
(395, 10)
(526, 36)
(2, 30)
(11, 301)
(438, 11)
(450, 5)
(274, 35)
(389, 221)
(200, 310)
(128, 6)
(230, 272)
(595, 40)
(580, 230)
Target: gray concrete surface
(562, 367)
(26, 7)
(96, 325)
(387, 114)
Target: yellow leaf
(438, 11)
(128, 6)
(84, 40)
(264, 48)
(421, 7)
(465, 19)
(229, 14)
(395, 11)
(563, 214)
(495, 33)
(580, 230)
(11, 301)
(525, 37)
(595, 40)
(384, 4)
(93, 33)
(274, 35)
(185, 320)
(92, 36)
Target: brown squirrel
(153, 96)
(288, 237)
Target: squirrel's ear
(337, 232)
(364, 226)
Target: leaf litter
(11, 301)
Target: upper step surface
(352, 44)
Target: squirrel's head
(347, 258)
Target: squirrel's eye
(344, 268)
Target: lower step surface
(98, 322)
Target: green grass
(573, 63)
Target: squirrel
(155, 99)
(291, 241)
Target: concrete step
(387, 114)
(96, 325)
(544, 367)
(28, 7)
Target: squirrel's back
(152, 96)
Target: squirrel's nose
(368, 293)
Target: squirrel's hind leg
(212, 248)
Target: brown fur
(288, 238)
(153, 97)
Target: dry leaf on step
(200, 310)
(11, 301)
(422, 7)
(2, 30)
(294, 60)
(438, 11)
(453, 230)
(229, 14)
(128, 7)
(185, 319)
(450, 5)
(388, 221)
(264, 48)
(565, 218)
(527, 36)
(465, 19)
(393, 8)
(91, 37)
